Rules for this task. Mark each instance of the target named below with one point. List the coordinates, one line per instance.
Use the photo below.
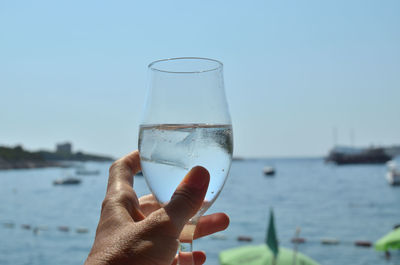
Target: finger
(211, 224)
(199, 257)
(148, 204)
(188, 197)
(120, 191)
(122, 171)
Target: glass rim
(152, 64)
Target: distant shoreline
(6, 165)
(18, 158)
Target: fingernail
(197, 178)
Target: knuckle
(125, 195)
(107, 202)
(120, 197)
(125, 198)
(116, 164)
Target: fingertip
(199, 257)
(200, 170)
(225, 221)
(197, 178)
(210, 224)
(122, 170)
(133, 161)
(222, 219)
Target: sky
(295, 71)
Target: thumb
(188, 197)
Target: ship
(341, 155)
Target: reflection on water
(346, 203)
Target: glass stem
(185, 254)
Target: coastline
(18, 158)
(28, 164)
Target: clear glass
(185, 123)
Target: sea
(43, 224)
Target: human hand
(140, 232)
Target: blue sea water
(347, 203)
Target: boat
(349, 155)
(298, 240)
(244, 238)
(363, 243)
(329, 241)
(393, 178)
(67, 181)
(393, 174)
(87, 172)
(269, 171)
(82, 230)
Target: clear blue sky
(76, 70)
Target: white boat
(269, 171)
(393, 175)
(67, 181)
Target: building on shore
(64, 148)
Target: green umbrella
(390, 241)
(265, 254)
(272, 240)
(262, 255)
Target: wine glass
(185, 123)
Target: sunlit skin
(140, 232)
